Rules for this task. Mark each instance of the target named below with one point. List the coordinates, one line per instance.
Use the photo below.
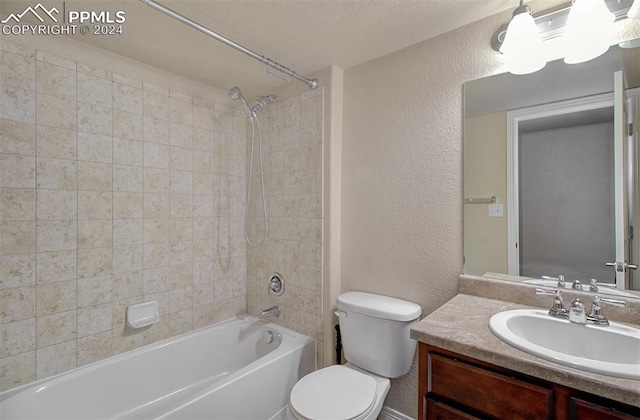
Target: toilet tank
(375, 332)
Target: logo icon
(34, 11)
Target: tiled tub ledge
(462, 326)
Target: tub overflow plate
(276, 284)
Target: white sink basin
(612, 350)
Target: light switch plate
(496, 210)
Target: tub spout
(273, 311)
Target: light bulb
(522, 45)
(589, 31)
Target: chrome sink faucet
(557, 310)
(595, 316)
(559, 279)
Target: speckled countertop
(462, 326)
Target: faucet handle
(557, 309)
(559, 279)
(595, 285)
(596, 316)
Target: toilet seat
(335, 392)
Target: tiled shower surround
(115, 191)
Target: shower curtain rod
(312, 83)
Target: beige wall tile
(156, 180)
(181, 322)
(17, 171)
(94, 89)
(127, 178)
(180, 205)
(127, 258)
(55, 59)
(55, 80)
(56, 174)
(17, 71)
(155, 280)
(95, 233)
(17, 271)
(180, 158)
(56, 297)
(156, 229)
(94, 176)
(181, 252)
(180, 135)
(56, 205)
(127, 205)
(94, 347)
(94, 262)
(181, 112)
(203, 139)
(56, 266)
(17, 137)
(156, 205)
(94, 71)
(127, 231)
(203, 117)
(56, 235)
(55, 359)
(95, 205)
(156, 155)
(127, 98)
(127, 151)
(52, 111)
(56, 328)
(17, 337)
(56, 142)
(17, 104)
(17, 370)
(17, 237)
(126, 80)
(155, 130)
(156, 255)
(94, 319)
(94, 119)
(17, 304)
(181, 182)
(17, 204)
(180, 299)
(95, 147)
(94, 291)
(127, 125)
(155, 105)
(126, 285)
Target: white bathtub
(226, 371)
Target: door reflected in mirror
(543, 145)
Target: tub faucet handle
(273, 311)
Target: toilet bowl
(342, 392)
(375, 337)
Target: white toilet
(377, 346)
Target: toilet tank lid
(378, 306)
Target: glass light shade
(634, 11)
(522, 45)
(589, 31)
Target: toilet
(375, 338)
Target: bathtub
(242, 368)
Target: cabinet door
(584, 410)
(440, 411)
(483, 391)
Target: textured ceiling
(305, 35)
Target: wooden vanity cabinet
(456, 387)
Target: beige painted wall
(402, 173)
(485, 175)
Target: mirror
(563, 161)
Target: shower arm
(312, 83)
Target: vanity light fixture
(553, 24)
(522, 44)
(589, 31)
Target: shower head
(235, 94)
(262, 102)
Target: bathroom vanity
(466, 372)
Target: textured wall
(402, 173)
(113, 191)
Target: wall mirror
(547, 189)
